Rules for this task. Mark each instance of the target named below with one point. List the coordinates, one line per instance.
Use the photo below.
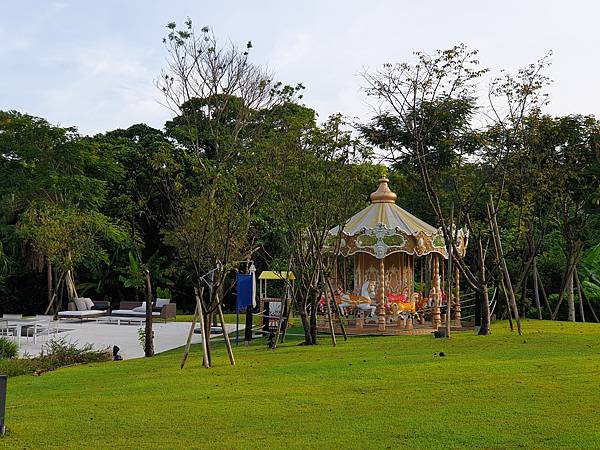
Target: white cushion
(141, 308)
(131, 313)
(80, 304)
(80, 313)
(89, 303)
(160, 302)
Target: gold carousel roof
(383, 228)
(383, 210)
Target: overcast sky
(92, 64)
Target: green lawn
(501, 391)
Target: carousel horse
(399, 303)
(345, 302)
(361, 302)
(420, 301)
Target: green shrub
(163, 293)
(56, 353)
(8, 348)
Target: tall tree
(54, 186)
(441, 89)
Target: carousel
(391, 269)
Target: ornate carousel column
(457, 309)
(436, 317)
(381, 316)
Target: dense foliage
(244, 171)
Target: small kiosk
(274, 308)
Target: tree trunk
(572, 260)
(579, 296)
(498, 245)
(571, 298)
(536, 292)
(508, 308)
(50, 284)
(313, 319)
(207, 328)
(484, 329)
(306, 327)
(583, 296)
(148, 333)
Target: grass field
(541, 390)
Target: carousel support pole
(412, 275)
(443, 286)
(401, 288)
(421, 264)
(443, 291)
(436, 318)
(457, 310)
(381, 294)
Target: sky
(92, 64)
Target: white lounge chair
(8, 330)
(82, 309)
(12, 316)
(46, 325)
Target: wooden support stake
(205, 356)
(328, 304)
(585, 297)
(188, 343)
(225, 334)
(337, 313)
(544, 296)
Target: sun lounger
(84, 309)
(165, 311)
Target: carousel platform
(372, 329)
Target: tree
(321, 180)
(55, 184)
(218, 96)
(440, 89)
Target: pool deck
(167, 336)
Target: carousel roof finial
(383, 194)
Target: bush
(8, 348)
(56, 353)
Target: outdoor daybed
(162, 309)
(85, 308)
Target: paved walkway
(167, 336)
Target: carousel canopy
(383, 228)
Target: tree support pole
(206, 361)
(188, 343)
(148, 333)
(583, 296)
(332, 292)
(225, 334)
